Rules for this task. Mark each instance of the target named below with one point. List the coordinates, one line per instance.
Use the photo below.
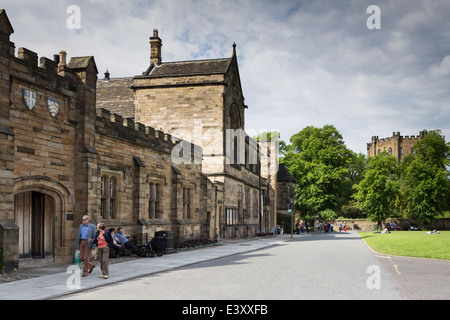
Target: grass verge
(410, 243)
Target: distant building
(396, 145)
(285, 190)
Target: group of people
(300, 227)
(327, 227)
(91, 236)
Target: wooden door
(33, 212)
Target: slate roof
(116, 96)
(81, 63)
(187, 68)
(283, 174)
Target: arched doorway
(43, 211)
(33, 212)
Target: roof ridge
(201, 60)
(116, 78)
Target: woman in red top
(103, 239)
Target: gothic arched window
(235, 119)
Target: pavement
(53, 281)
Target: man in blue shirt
(85, 243)
(126, 243)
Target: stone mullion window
(154, 201)
(109, 200)
(187, 203)
(103, 197)
(112, 197)
(255, 204)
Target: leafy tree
(378, 190)
(328, 214)
(425, 177)
(320, 163)
(427, 190)
(351, 211)
(433, 149)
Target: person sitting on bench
(126, 243)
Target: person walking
(85, 243)
(104, 240)
(345, 227)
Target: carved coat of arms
(29, 97)
(53, 106)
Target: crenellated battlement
(396, 136)
(27, 62)
(397, 145)
(126, 128)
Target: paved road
(317, 266)
(418, 279)
(320, 266)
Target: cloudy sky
(301, 62)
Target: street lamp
(291, 209)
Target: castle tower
(397, 145)
(155, 48)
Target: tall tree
(377, 192)
(426, 176)
(320, 163)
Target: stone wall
(439, 224)
(183, 108)
(8, 230)
(139, 156)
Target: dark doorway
(37, 224)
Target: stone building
(285, 190)
(396, 145)
(202, 101)
(166, 150)
(62, 158)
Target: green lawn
(410, 243)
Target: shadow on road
(317, 236)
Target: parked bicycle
(154, 247)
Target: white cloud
(441, 69)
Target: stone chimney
(62, 60)
(155, 48)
